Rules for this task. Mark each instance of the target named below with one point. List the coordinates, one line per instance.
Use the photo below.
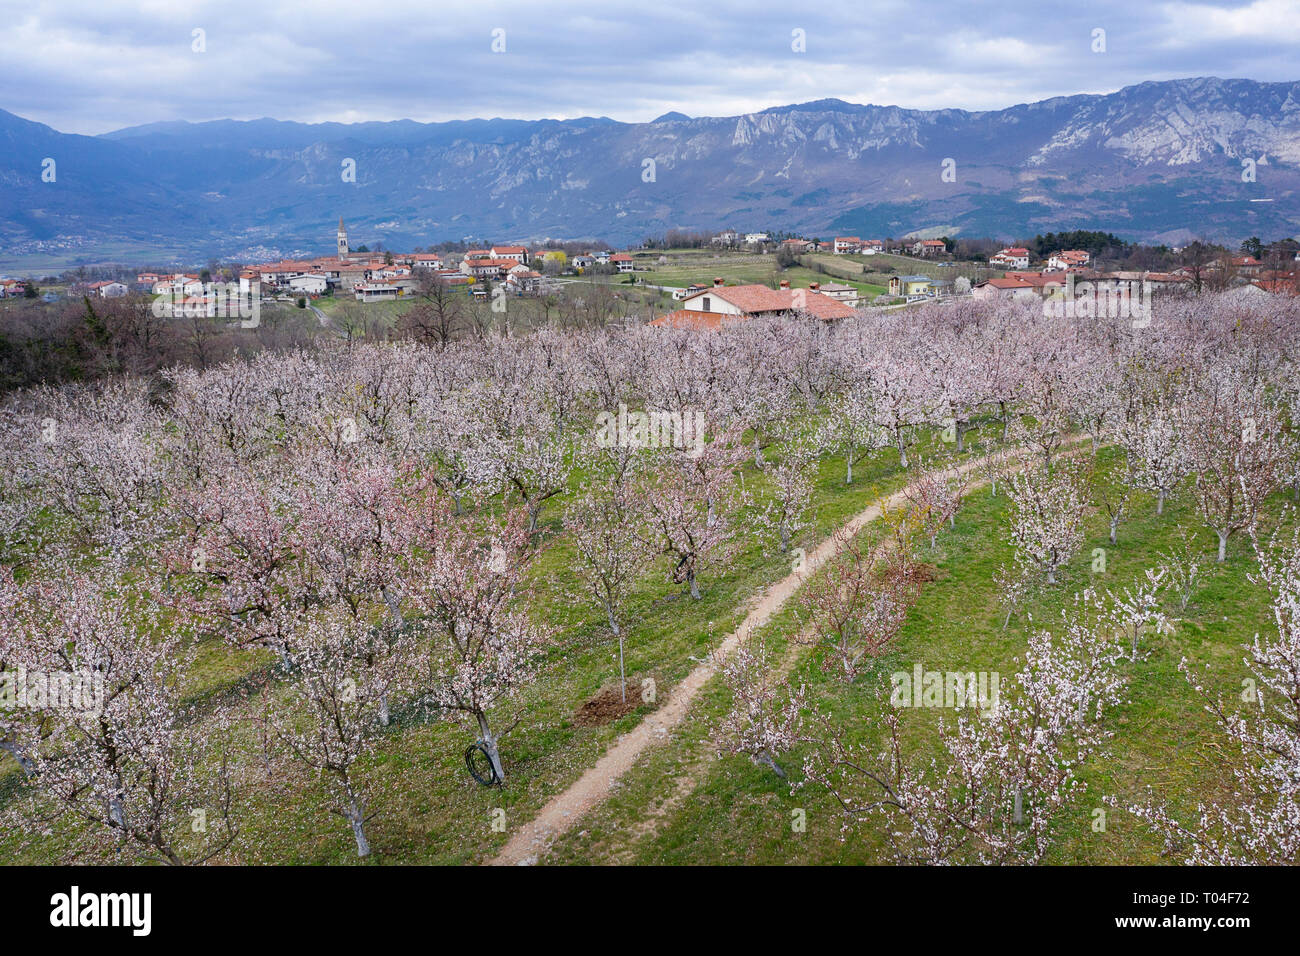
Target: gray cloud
(87, 66)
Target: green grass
(734, 811)
(701, 266)
(873, 268)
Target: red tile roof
(759, 299)
(686, 319)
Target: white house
(523, 280)
(179, 284)
(1005, 289)
(310, 284)
(1068, 259)
(1012, 258)
(377, 290)
(108, 290)
(517, 253)
(838, 291)
(490, 268)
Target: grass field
(874, 268)
(686, 267)
(685, 805)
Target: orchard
(350, 602)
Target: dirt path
(688, 779)
(565, 809)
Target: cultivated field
(687, 267)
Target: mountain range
(1159, 161)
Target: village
(756, 275)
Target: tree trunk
(618, 632)
(1018, 815)
(1223, 546)
(758, 452)
(902, 448)
(490, 744)
(173, 858)
(1160, 502)
(848, 471)
(695, 587)
(1114, 525)
(357, 817)
(766, 760)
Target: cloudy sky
(89, 66)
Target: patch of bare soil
(608, 705)
(923, 573)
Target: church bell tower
(343, 239)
